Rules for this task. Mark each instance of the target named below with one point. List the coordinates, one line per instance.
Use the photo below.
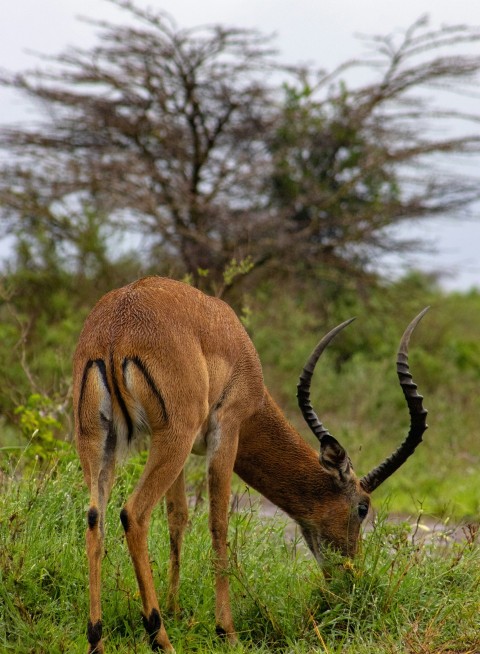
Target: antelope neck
(275, 460)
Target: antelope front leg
(219, 479)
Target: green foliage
(40, 427)
(237, 269)
(330, 178)
(233, 270)
(40, 316)
(318, 146)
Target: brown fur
(160, 355)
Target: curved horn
(418, 416)
(303, 386)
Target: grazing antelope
(159, 355)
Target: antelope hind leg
(177, 514)
(164, 465)
(220, 469)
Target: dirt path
(423, 528)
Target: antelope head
(337, 519)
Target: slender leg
(100, 491)
(95, 438)
(163, 466)
(177, 513)
(220, 471)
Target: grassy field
(401, 595)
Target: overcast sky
(314, 31)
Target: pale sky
(314, 31)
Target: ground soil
(423, 528)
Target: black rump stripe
(150, 381)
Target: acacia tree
(350, 163)
(183, 137)
(156, 130)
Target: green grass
(399, 596)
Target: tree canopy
(198, 147)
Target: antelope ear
(334, 458)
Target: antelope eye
(362, 510)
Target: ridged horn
(303, 386)
(418, 416)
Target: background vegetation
(355, 391)
(277, 189)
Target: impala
(162, 357)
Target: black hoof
(94, 635)
(152, 626)
(221, 633)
